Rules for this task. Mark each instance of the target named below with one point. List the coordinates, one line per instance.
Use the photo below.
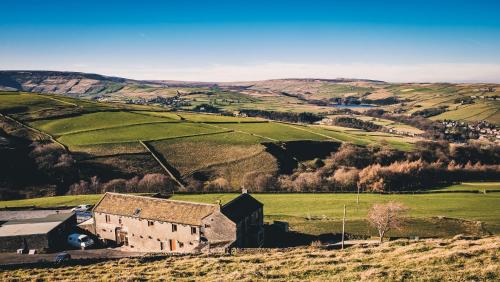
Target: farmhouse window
(174, 227)
(193, 230)
(108, 218)
(120, 220)
(151, 223)
(181, 245)
(207, 225)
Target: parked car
(80, 241)
(81, 208)
(62, 257)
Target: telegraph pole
(343, 229)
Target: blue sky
(249, 40)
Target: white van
(80, 241)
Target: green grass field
(136, 132)
(322, 213)
(93, 121)
(489, 111)
(275, 131)
(473, 186)
(24, 102)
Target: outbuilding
(41, 234)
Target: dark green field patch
(93, 121)
(136, 132)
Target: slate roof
(240, 207)
(154, 208)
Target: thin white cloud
(445, 72)
(386, 72)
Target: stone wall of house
(148, 235)
(218, 228)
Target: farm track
(61, 101)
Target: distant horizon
(398, 41)
(255, 80)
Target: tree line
(382, 169)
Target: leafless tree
(115, 185)
(156, 182)
(387, 216)
(259, 182)
(219, 184)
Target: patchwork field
(104, 138)
(135, 133)
(488, 111)
(106, 135)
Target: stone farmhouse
(160, 225)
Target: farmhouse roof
(240, 207)
(154, 208)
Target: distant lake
(354, 106)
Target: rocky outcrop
(74, 83)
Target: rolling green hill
(105, 137)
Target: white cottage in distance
(160, 225)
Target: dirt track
(13, 258)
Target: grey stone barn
(162, 225)
(48, 233)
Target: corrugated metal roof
(33, 225)
(154, 208)
(27, 228)
(56, 217)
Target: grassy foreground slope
(429, 260)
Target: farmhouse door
(172, 244)
(121, 237)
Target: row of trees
(356, 123)
(304, 117)
(149, 183)
(55, 163)
(351, 168)
(386, 170)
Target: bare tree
(259, 182)
(387, 216)
(156, 182)
(219, 184)
(115, 185)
